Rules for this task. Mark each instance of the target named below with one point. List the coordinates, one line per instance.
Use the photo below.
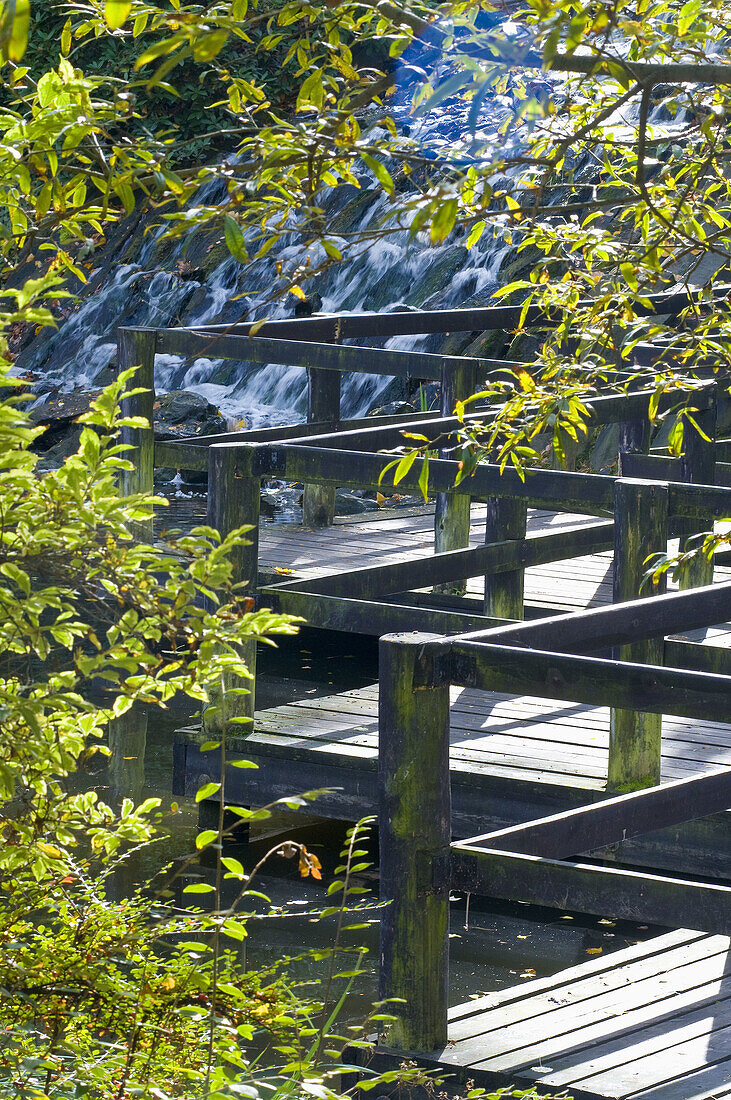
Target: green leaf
(424, 479)
(688, 14)
(235, 239)
(241, 764)
(205, 838)
(629, 274)
(17, 41)
(475, 233)
(379, 171)
(443, 221)
(198, 888)
(404, 466)
(116, 12)
(233, 865)
(206, 791)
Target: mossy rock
(435, 284)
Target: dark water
(502, 944)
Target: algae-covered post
(414, 830)
(698, 466)
(136, 348)
(323, 405)
(233, 501)
(640, 529)
(506, 519)
(452, 518)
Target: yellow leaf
(49, 850)
(116, 12)
(594, 950)
(285, 572)
(525, 380)
(298, 293)
(18, 38)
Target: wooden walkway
(512, 758)
(651, 1022)
(388, 536)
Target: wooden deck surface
(388, 536)
(650, 1022)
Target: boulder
(184, 413)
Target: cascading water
(193, 280)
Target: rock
(307, 306)
(393, 408)
(184, 413)
(348, 504)
(56, 455)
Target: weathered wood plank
(619, 625)
(323, 403)
(589, 680)
(628, 895)
(616, 819)
(136, 348)
(415, 322)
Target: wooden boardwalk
(390, 536)
(512, 758)
(650, 1022)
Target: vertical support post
(640, 529)
(506, 519)
(698, 465)
(414, 838)
(127, 743)
(452, 516)
(233, 501)
(136, 348)
(323, 404)
(634, 438)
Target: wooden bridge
(493, 711)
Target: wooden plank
(602, 627)
(616, 819)
(610, 1043)
(670, 1066)
(414, 817)
(628, 895)
(585, 1010)
(337, 357)
(655, 949)
(433, 569)
(414, 322)
(557, 489)
(589, 680)
(323, 403)
(608, 1036)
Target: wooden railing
(419, 863)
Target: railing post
(634, 438)
(414, 838)
(506, 519)
(323, 404)
(640, 529)
(233, 501)
(136, 348)
(698, 465)
(452, 516)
